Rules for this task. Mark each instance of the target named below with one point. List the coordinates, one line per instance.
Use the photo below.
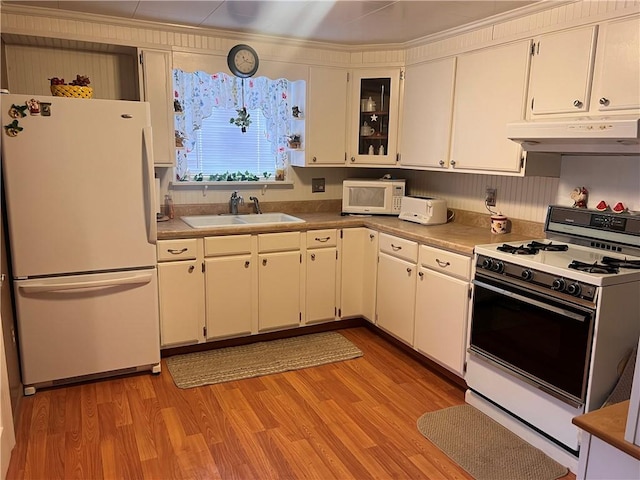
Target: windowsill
(225, 184)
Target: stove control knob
(558, 284)
(527, 275)
(486, 263)
(497, 266)
(574, 289)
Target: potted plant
(242, 120)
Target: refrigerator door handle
(152, 226)
(138, 279)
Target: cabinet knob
(314, 159)
(264, 261)
(577, 103)
(453, 163)
(441, 162)
(604, 101)
(246, 264)
(353, 159)
(371, 236)
(409, 270)
(421, 275)
(313, 256)
(191, 268)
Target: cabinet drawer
(227, 245)
(445, 262)
(399, 247)
(181, 249)
(321, 238)
(278, 242)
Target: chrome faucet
(256, 204)
(234, 201)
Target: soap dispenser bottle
(169, 207)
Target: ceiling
(350, 22)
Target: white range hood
(579, 136)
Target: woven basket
(71, 91)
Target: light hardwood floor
(348, 420)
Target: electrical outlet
(490, 198)
(317, 185)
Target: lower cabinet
(181, 292)
(396, 286)
(442, 307)
(230, 289)
(320, 276)
(359, 266)
(279, 280)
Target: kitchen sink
(262, 218)
(207, 221)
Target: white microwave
(369, 196)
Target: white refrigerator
(80, 203)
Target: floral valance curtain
(196, 94)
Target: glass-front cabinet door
(374, 120)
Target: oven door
(543, 340)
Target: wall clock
(243, 61)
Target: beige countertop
(460, 235)
(608, 424)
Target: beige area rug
(484, 448)
(262, 358)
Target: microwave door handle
(531, 301)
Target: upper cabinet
(426, 115)
(617, 81)
(157, 89)
(561, 69)
(326, 118)
(374, 117)
(490, 91)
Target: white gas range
(551, 320)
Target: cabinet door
(618, 85)
(358, 254)
(229, 295)
(278, 290)
(442, 304)
(157, 89)
(321, 284)
(561, 71)
(426, 114)
(490, 92)
(374, 117)
(326, 116)
(181, 293)
(396, 297)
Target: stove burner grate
(521, 250)
(549, 247)
(593, 267)
(533, 248)
(621, 262)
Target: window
(211, 143)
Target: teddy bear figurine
(579, 197)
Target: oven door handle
(531, 301)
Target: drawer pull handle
(442, 264)
(174, 251)
(323, 239)
(395, 248)
(246, 264)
